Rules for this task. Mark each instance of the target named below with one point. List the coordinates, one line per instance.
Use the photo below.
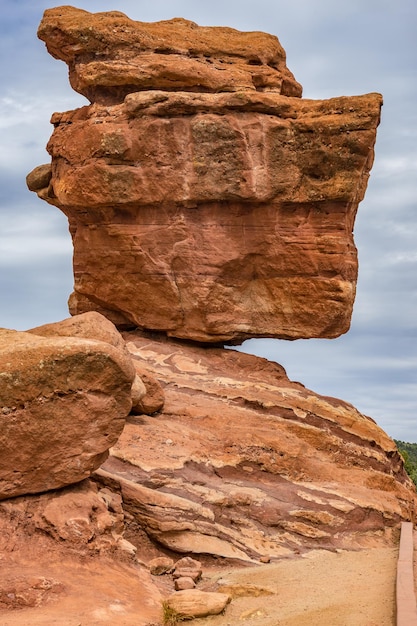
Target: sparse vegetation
(409, 453)
(170, 617)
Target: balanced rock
(77, 514)
(205, 198)
(64, 401)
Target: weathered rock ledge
(110, 55)
(236, 463)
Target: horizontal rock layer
(242, 462)
(110, 55)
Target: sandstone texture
(92, 325)
(193, 603)
(207, 202)
(63, 562)
(64, 401)
(205, 198)
(110, 56)
(240, 466)
(242, 463)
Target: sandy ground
(320, 589)
(93, 592)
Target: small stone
(265, 559)
(185, 582)
(127, 547)
(138, 392)
(161, 565)
(193, 603)
(71, 393)
(40, 177)
(188, 563)
(188, 568)
(194, 574)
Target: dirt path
(321, 589)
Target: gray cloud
(333, 49)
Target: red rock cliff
(205, 198)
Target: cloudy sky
(333, 48)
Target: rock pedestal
(242, 462)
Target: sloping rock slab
(242, 462)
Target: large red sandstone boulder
(211, 211)
(90, 325)
(64, 401)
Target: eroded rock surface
(63, 562)
(208, 201)
(192, 603)
(205, 198)
(243, 463)
(110, 55)
(64, 401)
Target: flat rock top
(95, 31)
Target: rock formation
(64, 561)
(206, 199)
(64, 401)
(243, 463)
